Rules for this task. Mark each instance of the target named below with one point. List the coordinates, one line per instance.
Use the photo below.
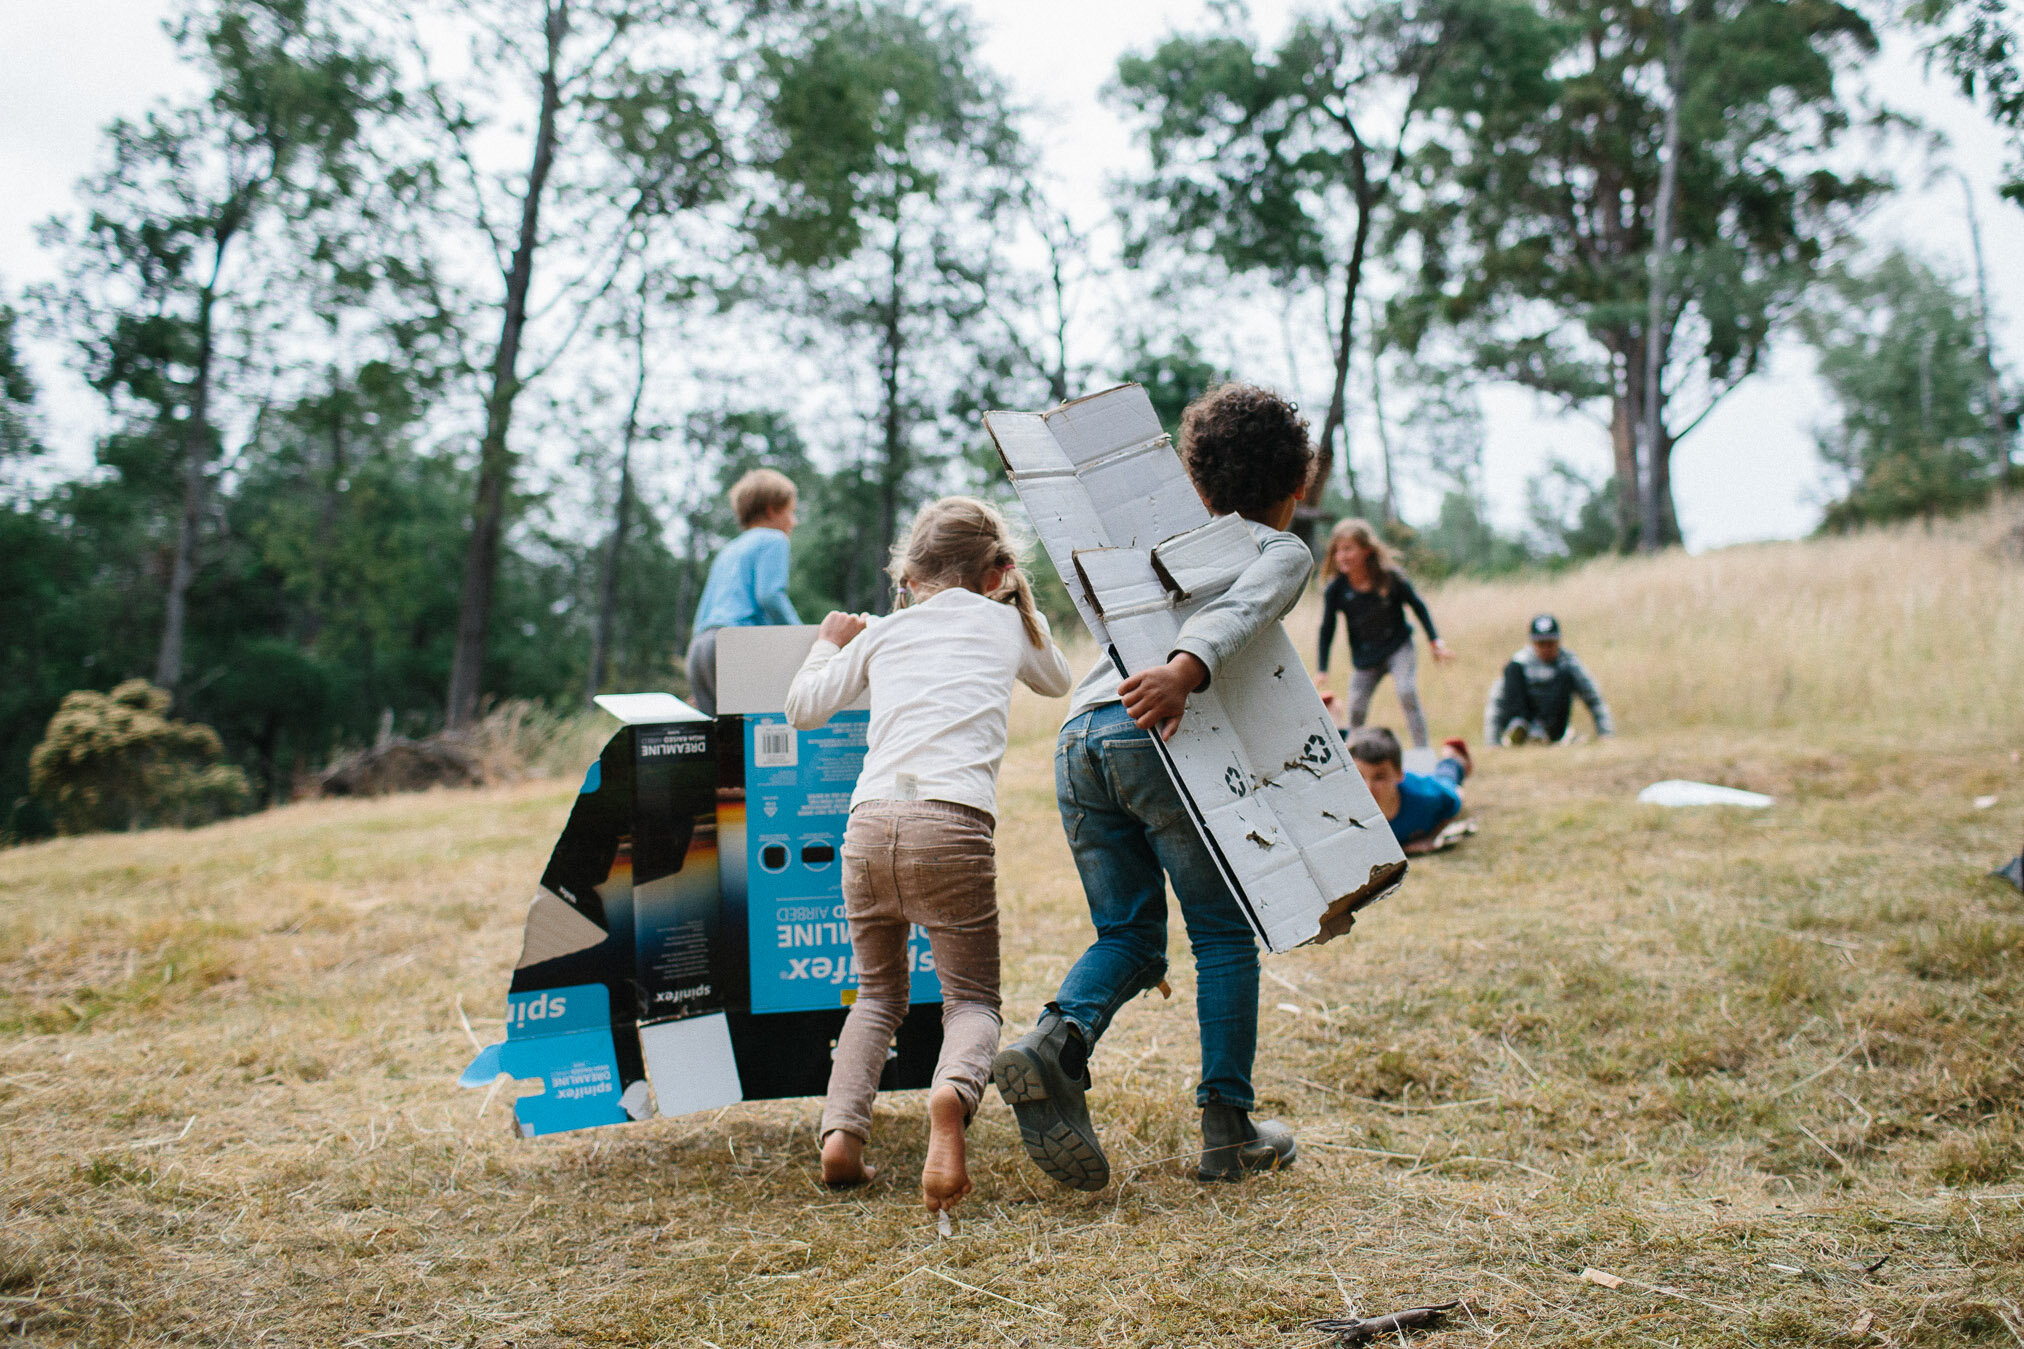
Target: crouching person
(1533, 699)
(1417, 804)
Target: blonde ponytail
(1022, 598)
(956, 541)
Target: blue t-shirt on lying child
(1425, 804)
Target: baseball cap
(1545, 628)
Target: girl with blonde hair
(1366, 587)
(919, 846)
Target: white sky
(1749, 472)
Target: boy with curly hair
(1247, 451)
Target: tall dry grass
(1912, 633)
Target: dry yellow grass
(1734, 1059)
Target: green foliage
(1534, 202)
(1900, 350)
(1282, 162)
(116, 761)
(1573, 517)
(1462, 540)
(17, 396)
(891, 154)
(1173, 376)
(1980, 43)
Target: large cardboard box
(680, 955)
(1257, 759)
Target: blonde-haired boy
(747, 587)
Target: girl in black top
(1366, 587)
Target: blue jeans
(1130, 833)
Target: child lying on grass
(1417, 804)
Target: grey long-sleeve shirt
(1552, 689)
(1262, 594)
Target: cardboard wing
(1257, 760)
(675, 960)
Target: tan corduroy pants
(931, 863)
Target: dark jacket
(1377, 623)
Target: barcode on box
(774, 747)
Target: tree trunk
(1391, 509)
(326, 513)
(1625, 412)
(1336, 420)
(607, 591)
(1657, 497)
(495, 461)
(196, 458)
(1999, 437)
(893, 473)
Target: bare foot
(945, 1177)
(843, 1162)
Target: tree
(19, 439)
(889, 150)
(1534, 216)
(1284, 163)
(1898, 348)
(165, 292)
(1980, 44)
(615, 113)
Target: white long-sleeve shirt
(940, 675)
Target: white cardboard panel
(755, 666)
(1256, 757)
(691, 1064)
(650, 709)
(1089, 428)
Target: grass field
(1765, 1068)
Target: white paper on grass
(1257, 759)
(1681, 792)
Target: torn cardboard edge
(1257, 761)
(682, 952)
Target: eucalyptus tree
(170, 284)
(622, 129)
(890, 149)
(1285, 162)
(1534, 206)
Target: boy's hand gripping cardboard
(1257, 759)
(650, 980)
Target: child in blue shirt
(1417, 804)
(748, 579)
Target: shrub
(116, 761)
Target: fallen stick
(1363, 1329)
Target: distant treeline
(427, 345)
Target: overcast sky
(1749, 472)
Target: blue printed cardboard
(797, 803)
(675, 960)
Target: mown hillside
(1762, 1067)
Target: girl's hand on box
(839, 628)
